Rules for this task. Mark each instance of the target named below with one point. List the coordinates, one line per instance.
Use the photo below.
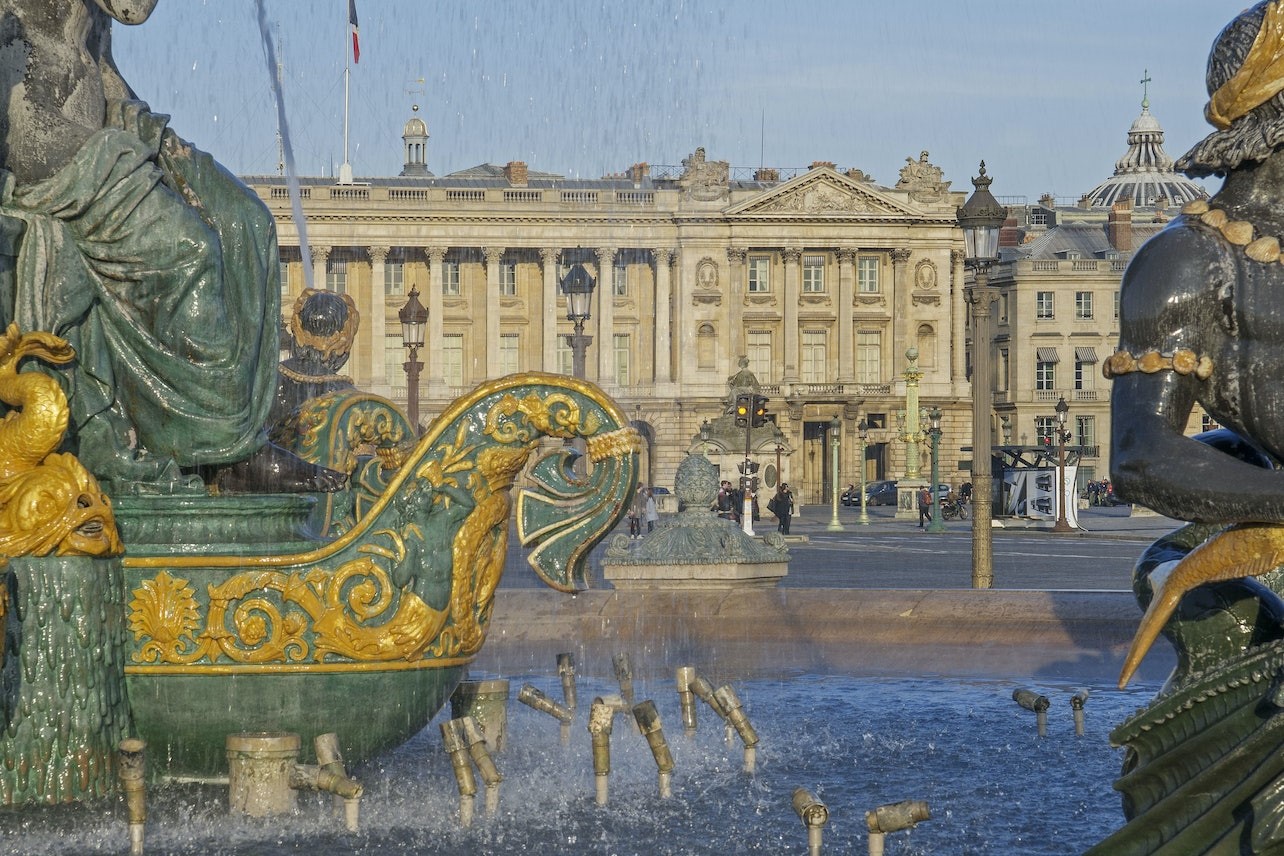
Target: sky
(1044, 92)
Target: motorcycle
(953, 509)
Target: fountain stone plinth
(696, 549)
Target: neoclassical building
(821, 278)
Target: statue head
(1246, 93)
(323, 327)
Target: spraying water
(291, 176)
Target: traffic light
(744, 405)
(747, 468)
(759, 411)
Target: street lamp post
(577, 285)
(980, 218)
(834, 426)
(413, 316)
(1063, 412)
(937, 523)
(704, 438)
(862, 431)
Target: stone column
(900, 301)
(846, 295)
(548, 258)
(320, 255)
(432, 294)
(735, 336)
(789, 298)
(958, 319)
(491, 309)
(663, 319)
(375, 312)
(605, 315)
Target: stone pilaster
(491, 310)
(846, 295)
(548, 257)
(792, 257)
(900, 300)
(432, 299)
(958, 319)
(663, 318)
(735, 334)
(605, 315)
(375, 315)
(320, 255)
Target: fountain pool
(963, 746)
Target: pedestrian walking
(924, 507)
(635, 513)
(782, 505)
(651, 512)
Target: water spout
(893, 817)
(332, 777)
(566, 671)
(452, 740)
(814, 815)
(648, 720)
(533, 698)
(726, 697)
(476, 740)
(704, 691)
(624, 674)
(601, 715)
(686, 698)
(1030, 700)
(1077, 701)
(132, 772)
(259, 765)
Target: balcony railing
(1086, 395)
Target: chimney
(819, 164)
(515, 172)
(639, 172)
(1119, 226)
(1010, 232)
(766, 175)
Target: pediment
(824, 193)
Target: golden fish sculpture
(1248, 550)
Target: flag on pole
(352, 24)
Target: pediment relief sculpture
(923, 180)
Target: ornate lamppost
(413, 317)
(937, 523)
(862, 431)
(704, 438)
(834, 426)
(578, 286)
(980, 218)
(1063, 413)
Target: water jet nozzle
(601, 715)
(648, 720)
(814, 814)
(452, 740)
(686, 698)
(727, 698)
(132, 773)
(531, 697)
(624, 674)
(1077, 702)
(476, 740)
(893, 817)
(1030, 700)
(566, 671)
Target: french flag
(352, 24)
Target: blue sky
(1044, 92)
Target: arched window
(706, 346)
(926, 345)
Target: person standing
(782, 505)
(635, 513)
(924, 507)
(651, 512)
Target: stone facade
(821, 278)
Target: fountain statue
(168, 573)
(1200, 322)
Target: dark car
(880, 493)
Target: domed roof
(415, 127)
(1145, 173)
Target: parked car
(880, 493)
(942, 492)
(851, 496)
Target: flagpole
(345, 171)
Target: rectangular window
(450, 279)
(867, 274)
(1043, 305)
(394, 361)
(285, 278)
(394, 278)
(869, 356)
(1085, 430)
(507, 279)
(1045, 376)
(758, 350)
(509, 344)
(1044, 429)
(622, 354)
(1116, 306)
(759, 274)
(1083, 305)
(1083, 373)
(336, 274)
(565, 356)
(1002, 371)
(452, 359)
(813, 274)
(1003, 308)
(620, 278)
(815, 366)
